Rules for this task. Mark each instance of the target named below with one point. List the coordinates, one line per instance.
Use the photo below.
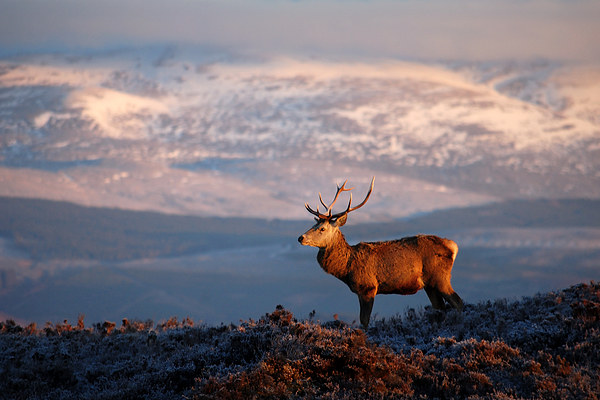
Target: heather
(541, 347)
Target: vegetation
(546, 346)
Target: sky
(421, 29)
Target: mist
(466, 30)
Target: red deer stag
(402, 266)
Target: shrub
(545, 347)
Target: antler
(315, 213)
(329, 207)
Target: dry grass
(544, 347)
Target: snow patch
(118, 115)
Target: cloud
(461, 29)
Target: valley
(60, 260)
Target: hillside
(194, 131)
(546, 346)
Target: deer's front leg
(366, 306)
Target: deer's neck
(334, 258)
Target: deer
(402, 266)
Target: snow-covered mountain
(207, 132)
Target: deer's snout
(301, 239)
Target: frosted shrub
(540, 347)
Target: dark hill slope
(47, 229)
(546, 346)
(60, 230)
(537, 213)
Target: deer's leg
(454, 300)
(435, 297)
(366, 306)
(443, 286)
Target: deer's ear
(341, 220)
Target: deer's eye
(322, 229)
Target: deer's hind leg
(454, 300)
(435, 296)
(439, 287)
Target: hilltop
(545, 346)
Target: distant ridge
(48, 229)
(539, 213)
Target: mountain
(207, 132)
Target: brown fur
(402, 266)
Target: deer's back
(409, 247)
(404, 260)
